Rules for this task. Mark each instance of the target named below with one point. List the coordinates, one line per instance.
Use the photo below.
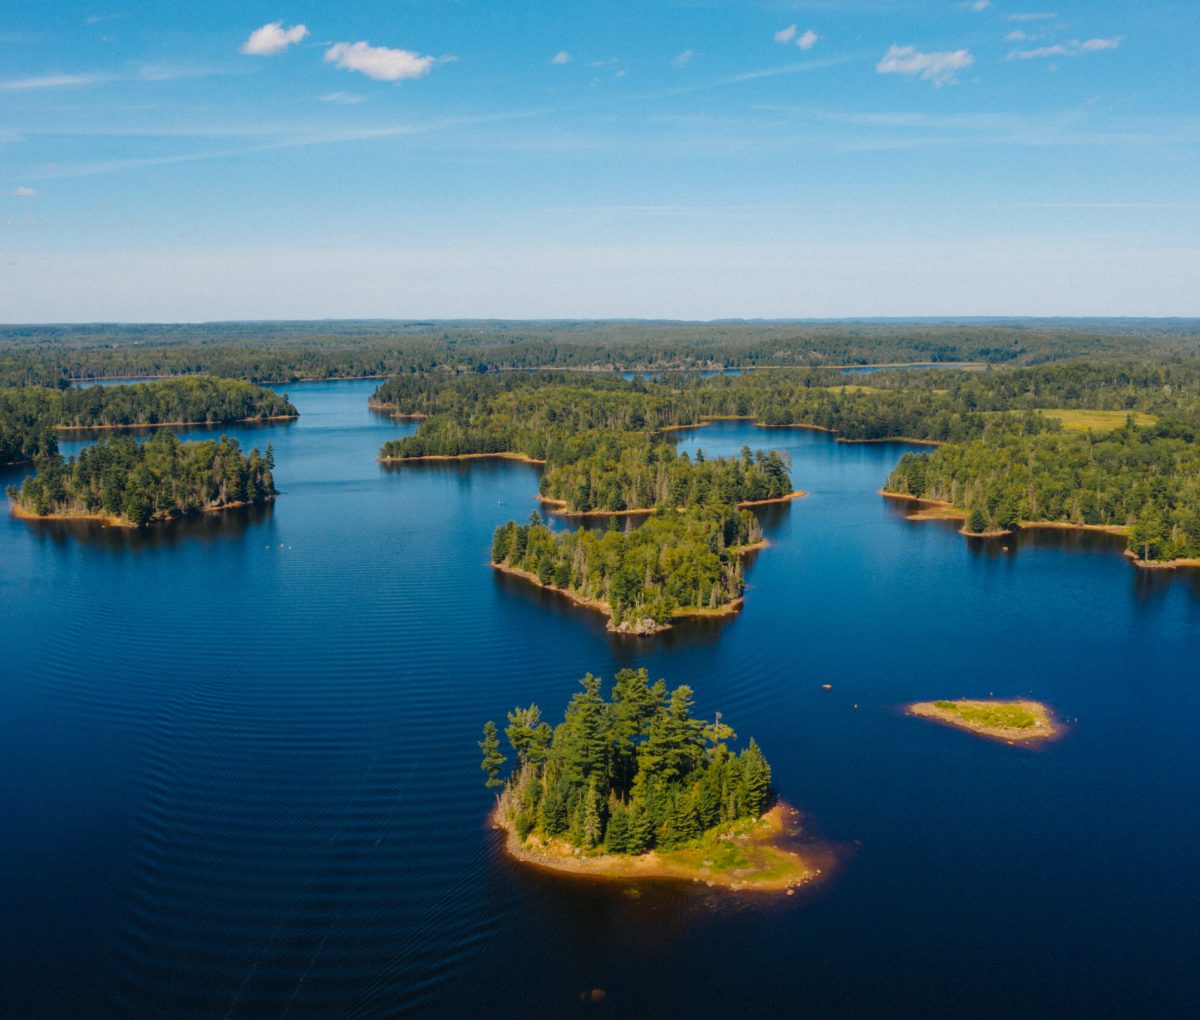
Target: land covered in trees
(123, 481)
(1142, 482)
(291, 351)
(637, 786)
(30, 415)
(674, 566)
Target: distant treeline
(137, 482)
(635, 773)
(290, 351)
(28, 415)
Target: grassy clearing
(1002, 715)
(1076, 420)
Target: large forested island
(29, 416)
(123, 481)
(637, 787)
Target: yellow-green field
(1076, 420)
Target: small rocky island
(1009, 721)
(636, 787)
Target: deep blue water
(240, 777)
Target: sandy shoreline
(558, 506)
(746, 504)
(120, 522)
(600, 606)
(175, 424)
(940, 510)
(374, 405)
(778, 868)
(461, 456)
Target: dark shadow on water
(205, 528)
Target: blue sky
(696, 159)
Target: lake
(240, 776)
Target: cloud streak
(940, 68)
(54, 81)
(1071, 48)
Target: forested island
(30, 416)
(674, 566)
(123, 481)
(637, 787)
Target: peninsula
(1009, 721)
(636, 788)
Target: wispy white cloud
(379, 62)
(1034, 16)
(272, 38)
(805, 40)
(24, 192)
(54, 81)
(342, 98)
(977, 5)
(683, 59)
(941, 68)
(1016, 36)
(605, 63)
(1070, 48)
(561, 57)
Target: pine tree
(593, 822)
(756, 775)
(617, 835)
(493, 760)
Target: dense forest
(28, 415)
(138, 482)
(1143, 479)
(635, 773)
(276, 352)
(674, 563)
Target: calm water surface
(240, 778)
